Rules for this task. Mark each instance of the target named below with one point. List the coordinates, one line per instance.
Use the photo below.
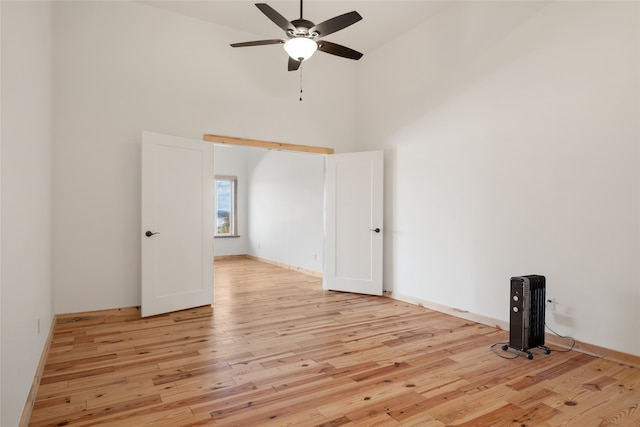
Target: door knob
(377, 230)
(149, 233)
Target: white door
(354, 190)
(177, 223)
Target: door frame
(280, 146)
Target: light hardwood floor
(278, 350)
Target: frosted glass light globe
(300, 48)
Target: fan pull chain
(301, 83)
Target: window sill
(227, 237)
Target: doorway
(289, 202)
(280, 203)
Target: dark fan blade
(278, 19)
(339, 50)
(293, 64)
(335, 24)
(257, 43)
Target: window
(225, 206)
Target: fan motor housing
(302, 25)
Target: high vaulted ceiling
(382, 20)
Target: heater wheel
(527, 353)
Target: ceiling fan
(302, 36)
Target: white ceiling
(382, 20)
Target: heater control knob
(515, 309)
(515, 298)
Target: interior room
(510, 132)
(284, 210)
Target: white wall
(26, 285)
(232, 161)
(121, 67)
(286, 208)
(512, 144)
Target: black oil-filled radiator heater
(526, 326)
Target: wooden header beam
(231, 140)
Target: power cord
(546, 349)
(573, 341)
(513, 355)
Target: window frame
(233, 206)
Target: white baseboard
(35, 385)
(591, 349)
(489, 321)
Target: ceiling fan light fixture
(300, 48)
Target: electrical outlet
(551, 303)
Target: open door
(353, 222)
(177, 223)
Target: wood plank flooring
(277, 350)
